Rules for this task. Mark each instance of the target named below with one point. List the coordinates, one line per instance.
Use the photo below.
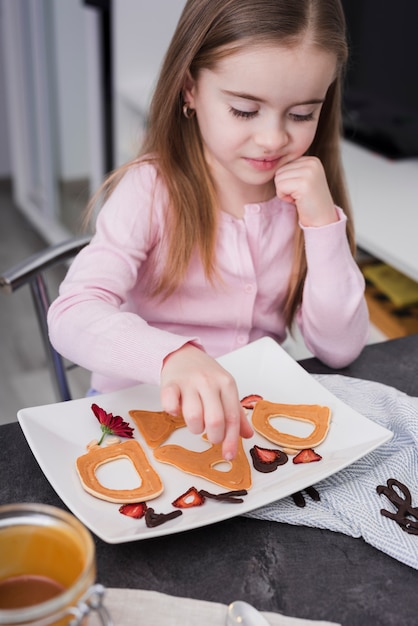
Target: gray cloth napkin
(349, 502)
(134, 607)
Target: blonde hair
(207, 31)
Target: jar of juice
(47, 568)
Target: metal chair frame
(31, 271)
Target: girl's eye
(296, 117)
(243, 114)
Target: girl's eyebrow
(248, 96)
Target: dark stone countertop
(394, 363)
(297, 571)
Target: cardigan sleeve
(89, 322)
(333, 317)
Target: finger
(193, 412)
(230, 442)
(287, 188)
(171, 399)
(233, 415)
(214, 417)
(246, 430)
(234, 430)
(218, 401)
(286, 198)
(289, 169)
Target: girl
(227, 227)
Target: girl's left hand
(303, 182)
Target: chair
(31, 271)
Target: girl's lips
(263, 165)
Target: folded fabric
(349, 501)
(131, 607)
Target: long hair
(209, 30)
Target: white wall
(142, 30)
(5, 163)
(71, 87)
(68, 60)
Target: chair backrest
(31, 271)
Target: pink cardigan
(106, 321)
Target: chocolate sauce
(268, 466)
(227, 496)
(406, 515)
(153, 519)
(299, 498)
(313, 493)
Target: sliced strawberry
(249, 402)
(267, 460)
(266, 455)
(307, 456)
(135, 510)
(192, 497)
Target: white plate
(58, 434)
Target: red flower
(111, 424)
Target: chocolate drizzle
(266, 460)
(153, 519)
(299, 498)
(406, 515)
(227, 496)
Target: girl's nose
(272, 136)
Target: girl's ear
(189, 88)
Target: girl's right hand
(194, 384)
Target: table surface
(384, 195)
(294, 570)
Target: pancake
(151, 485)
(203, 464)
(320, 416)
(156, 426)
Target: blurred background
(76, 77)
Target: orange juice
(47, 563)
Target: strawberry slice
(192, 497)
(307, 456)
(266, 455)
(135, 509)
(267, 460)
(249, 402)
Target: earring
(187, 111)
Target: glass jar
(47, 568)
